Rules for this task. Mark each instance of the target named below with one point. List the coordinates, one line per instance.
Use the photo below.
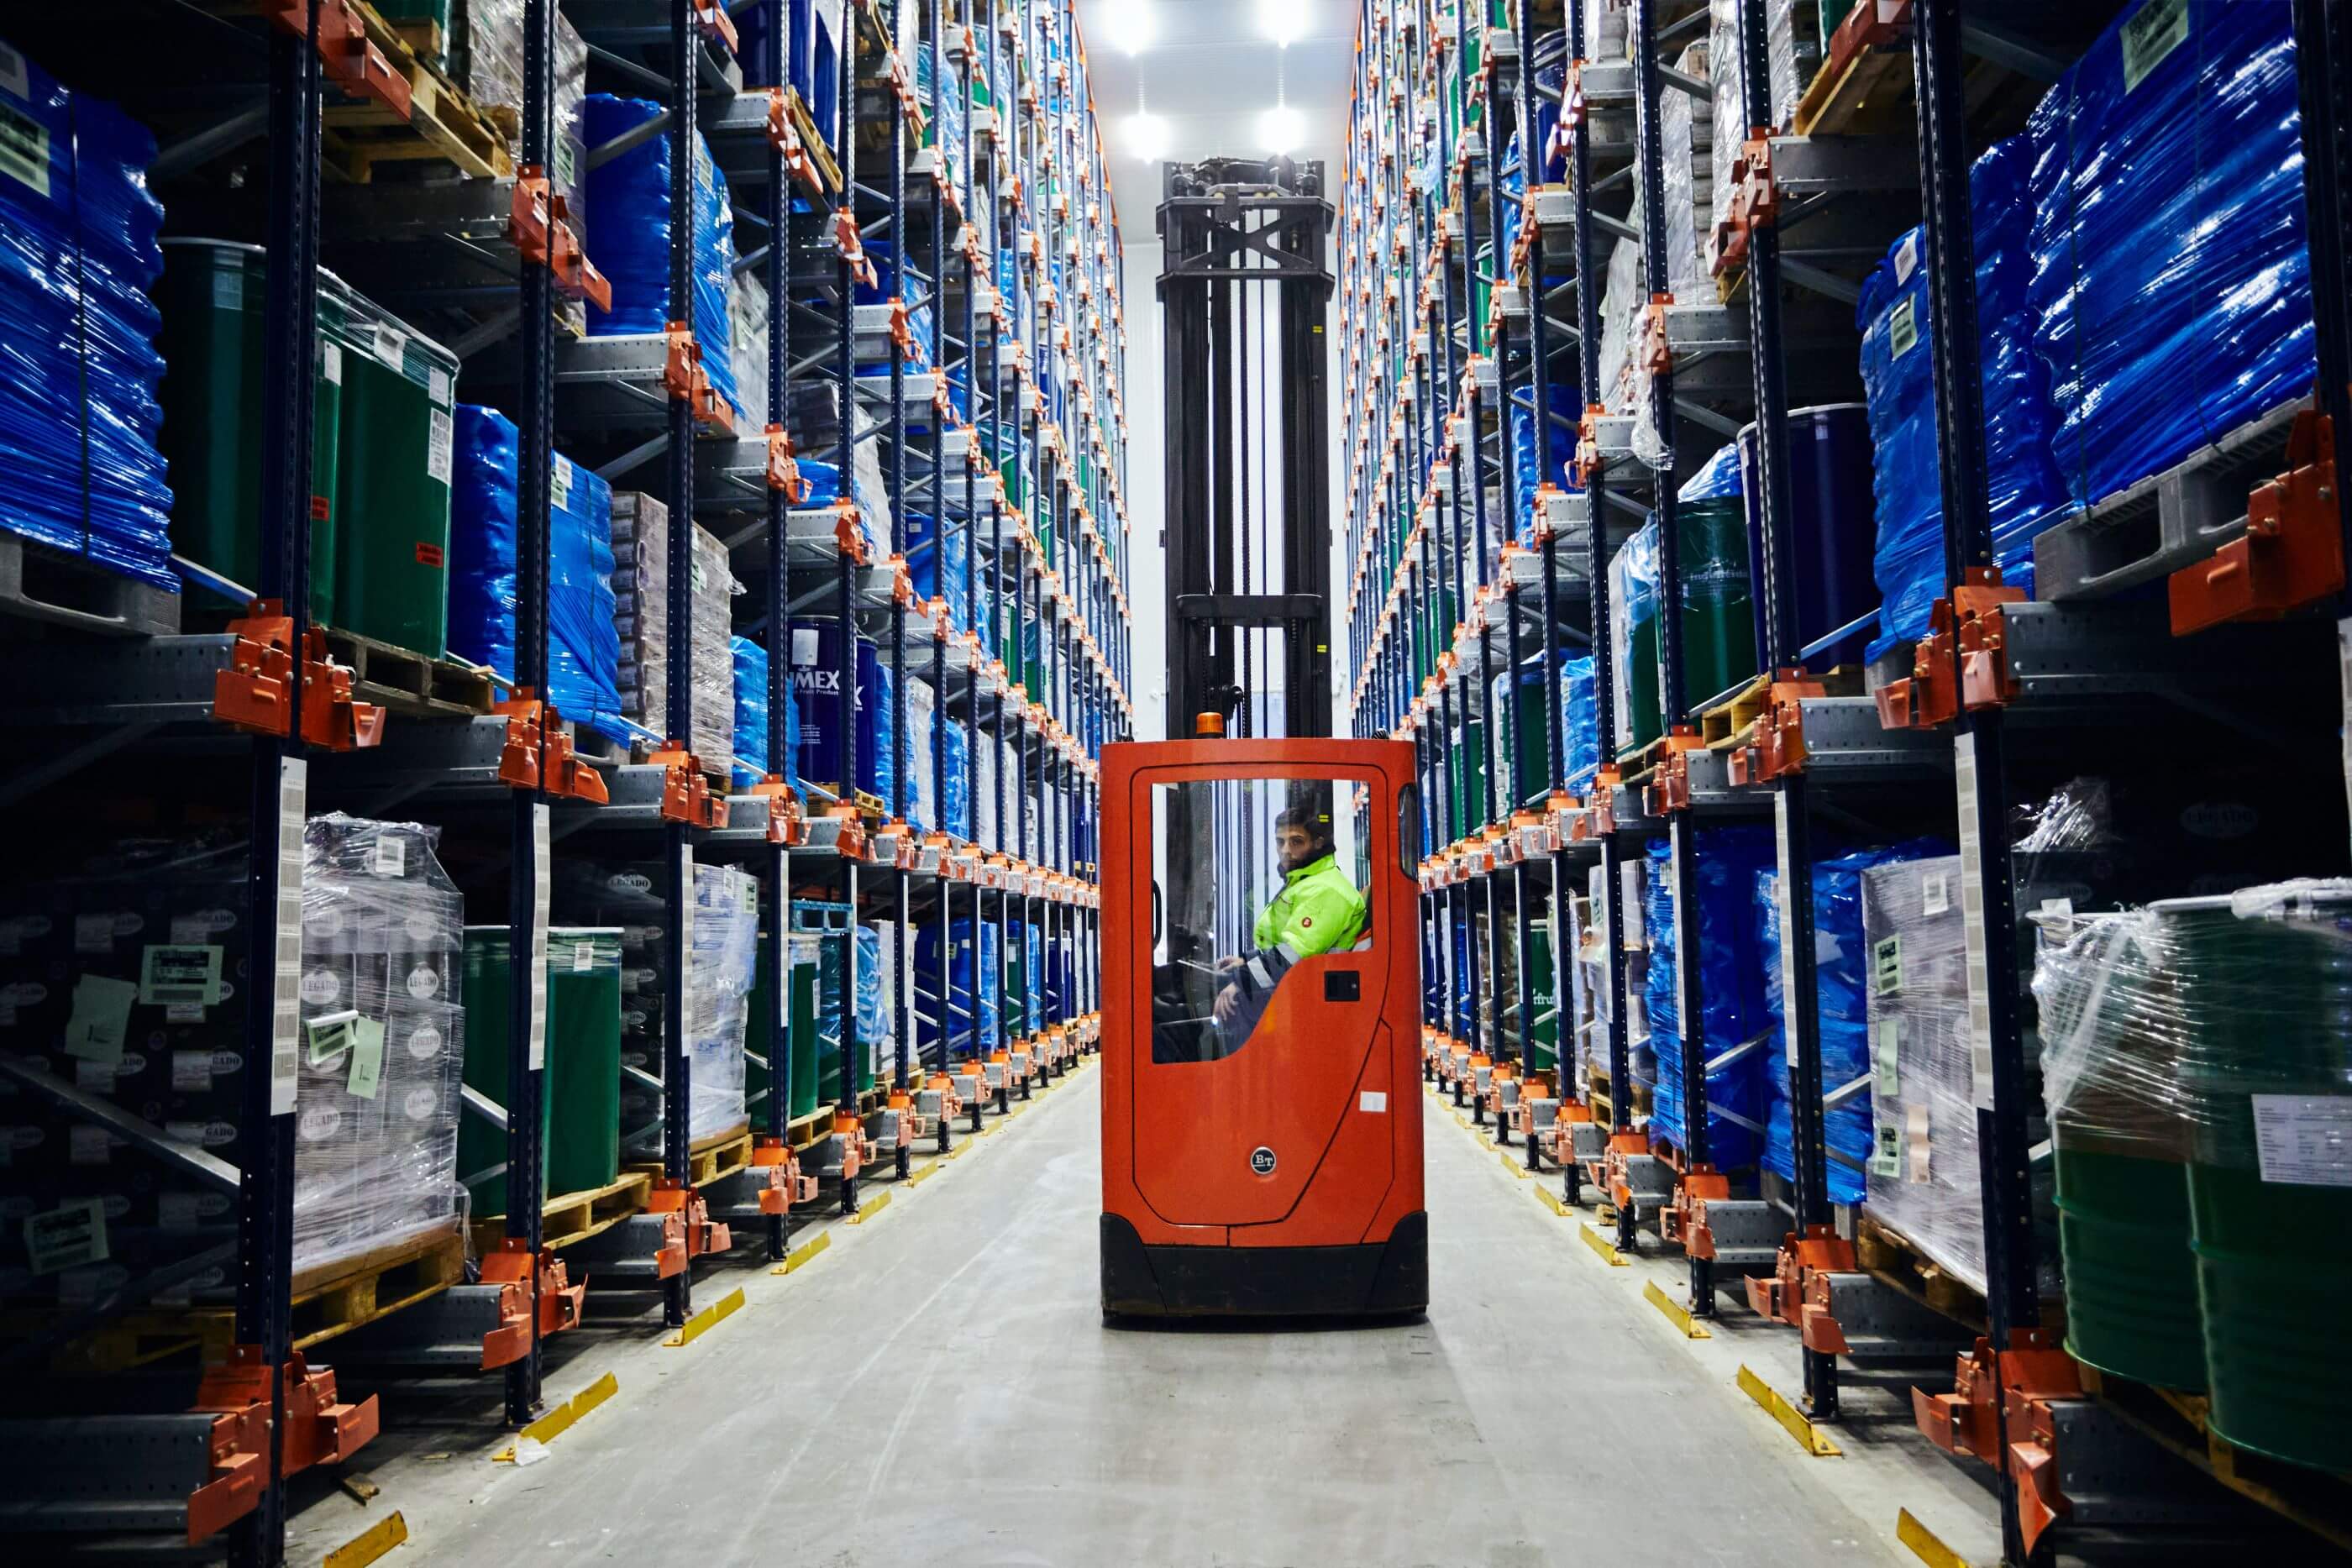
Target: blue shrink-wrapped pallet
(2171, 282)
(751, 708)
(1841, 985)
(956, 808)
(941, 565)
(629, 237)
(966, 955)
(1550, 466)
(1731, 984)
(1898, 379)
(78, 411)
(873, 1007)
(1717, 478)
(584, 650)
(1581, 731)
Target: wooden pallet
(41, 583)
(1870, 96)
(405, 682)
(328, 1301)
(1893, 1261)
(1728, 724)
(812, 141)
(574, 1216)
(443, 124)
(422, 35)
(721, 1155)
(2318, 1501)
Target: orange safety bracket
(349, 60)
(1781, 1294)
(1587, 461)
(320, 1429)
(787, 825)
(538, 223)
(539, 754)
(1655, 351)
(785, 138)
(686, 380)
(712, 18)
(783, 470)
(2291, 553)
(1775, 747)
(686, 792)
(781, 1182)
(1669, 789)
(1756, 203)
(1968, 618)
(851, 243)
(851, 844)
(256, 693)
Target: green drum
(759, 1079)
(2267, 997)
(392, 501)
(2131, 1286)
(579, 1113)
(211, 298)
(1717, 627)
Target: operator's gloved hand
(1229, 1002)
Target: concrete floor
(941, 1382)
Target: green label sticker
(1903, 327)
(331, 1035)
(1886, 1159)
(101, 1018)
(1887, 1077)
(367, 1058)
(24, 148)
(2161, 26)
(1887, 965)
(67, 1237)
(172, 974)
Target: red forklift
(1262, 1135)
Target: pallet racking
(949, 314)
(1444, 344)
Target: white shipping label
(1903, 327)
(443, 443)
(1780, 885)
(16, 74)
(2304, 1140)
(1886, 1059)
(24, 148)
(2161, 28)
(391, 855)
(540, 886)
(286, 959)
(1906, 259)
(100, 1021)
(228, 294)
(1973, 921)
(559, 485)
(67, 1237)
(330, 358)
(1373, 1099)
(1935, 892)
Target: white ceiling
(1208, 74)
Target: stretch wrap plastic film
(583, 649)
(1686, 150)
(1843, 981)
(970, 957)
(382, 1041)
(1925, 1182)
(641, 592)
(1898, 379)
(1731, 986)
(486, 59)
(2171, 281)
(78, 410)
(628, 238)
(752, 716)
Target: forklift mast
(1244, 290)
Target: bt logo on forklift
(1261, 988)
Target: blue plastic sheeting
(584, 650)
(1551, 468)
(750, 741)
(1842, 984)
(1898, 379)
(873, 1016)
(824, 481)
(926, 556)
(960, 1012)
(629, 237)
(2171, 285)
(1717, 477)
(78, 368)
(1731, 982)
(1581, 735)
(957, 808)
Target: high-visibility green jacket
(1319, 910)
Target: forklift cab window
(1250, 875)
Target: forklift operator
(1318, 910)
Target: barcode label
(442, 444)
(67, 1237)
(24, 148)
(286, 956)
(391, 855)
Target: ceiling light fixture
(1283, 21)
(1147, 136)
(1134, 27)
(1281, 128)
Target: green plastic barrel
(2269, 998)
(211, 299)
(580, 1114)
(392, 501)
(758, 1074)
(1719, 633)
(2131, 1285)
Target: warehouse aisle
(941, 1382)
